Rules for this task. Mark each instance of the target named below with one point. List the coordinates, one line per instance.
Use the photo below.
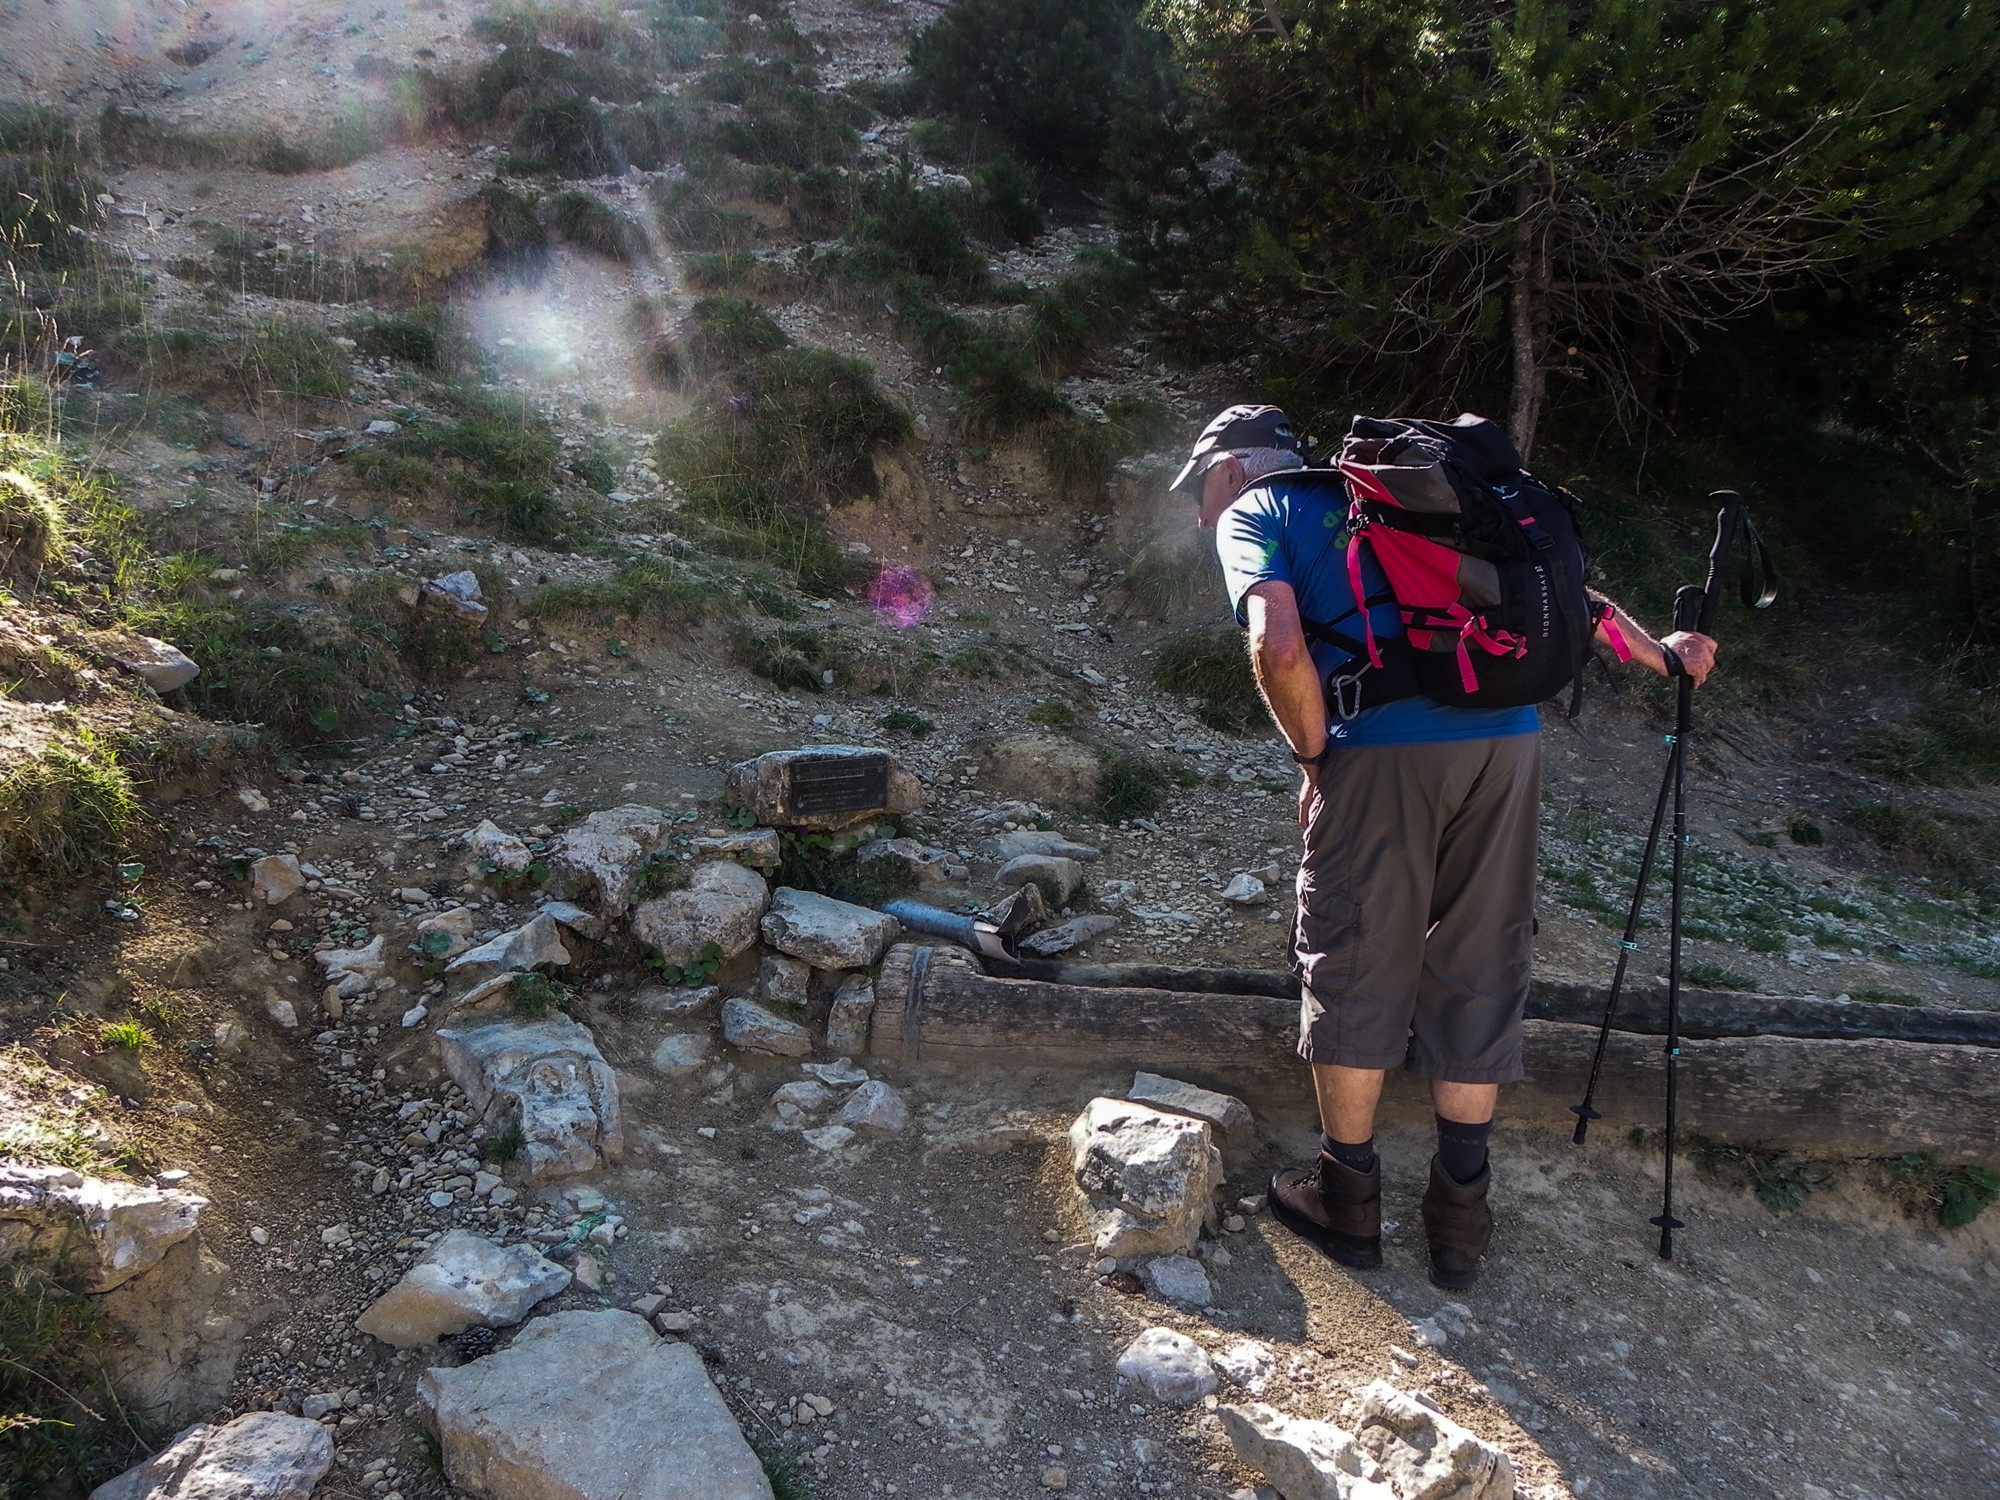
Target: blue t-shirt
(1297, 534)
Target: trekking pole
(1694, 609)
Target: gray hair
(1257, 462)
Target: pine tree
(1580, 189)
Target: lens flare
(900, 597)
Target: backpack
(1485, 563)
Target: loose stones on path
(276, 878)
(1179, 1278)
(1059, 878)
(590, 1406)
(535, 945)
(1225, 1112)
(548, 1078)
(461, 1281)
(1148, 1178)
(874, 1109)
(262, 1455)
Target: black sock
(1462, 1148)
(1360, 1157)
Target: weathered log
(1834, 1097)
(1704, 1013)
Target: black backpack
(1486, 565)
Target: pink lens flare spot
(900, 597)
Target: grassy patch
(61, 1424)
(1782, 1180)
(536, 995)
(1129, 786)
(905, 721)
(69, 810)
(796, 657)
(1954, 741)
(1053, 714)
(1716, 977)
(1210, 665)
(504, 1145)
(1952, 1196)
(724, 333)
(1959, 849)
(494, 459)
(648, 588)
(588, 222)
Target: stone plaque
(823, 784)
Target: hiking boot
(1334, 1206)
(1457, 1223)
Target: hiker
(1416, 888)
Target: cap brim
(1188, 471)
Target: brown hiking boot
(1334, 1206)
(1457, 1223)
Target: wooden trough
(1812, 1075)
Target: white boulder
(535, 944)
(1225, 1112)
(162, 667)
(1148, 1178)
(874, 1109)
(262, 1455)
(749, 1027)
(118, 1230)
(590, 1406)
(600, 859)
(495, 851)
(548, 1078)
(826, 933)
(719, 907)
(848, 1017)
(462, 1281)
(1168, 1366)
(1423, 1452)
(276, 878)
(1305, 1460)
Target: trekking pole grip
(1731, 505)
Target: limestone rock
(125, 1229)
(783, 981)
(673, 1000)
(590, 1406)
(353, 971)
(1246, 1363)
(1064, 936)
(1422, 1452)
(1021, 912)
(1046, 767)
(1244, 890)
(681, 1054)
(1059, 878)
(848, 1017)
(1012, 845)
(751, 1028)
(793, 788)
(1179, 1278)
(1225, 1112)
(162, 667)
(874, 1109)
(752, 846)
(446, 935)
(601, 857)
(826, 933)
(460, 1282)
(536, 944)
(912, 860)
(497, 852)
(1168, 1366)
(548, 1077)
(276, 878)
(587, 924)
(1306, 1460)
(1148, 1178)
(262, 1455)
(721, 905)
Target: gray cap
(1238, 427)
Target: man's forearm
(1284, 668)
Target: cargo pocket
(1329, 939)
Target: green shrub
(1088, 306)
(916, 231)
(781, 118)
(1129, 786)
(1006, 204)
(130, 1035)
(1046, 74)
(648, 588)
(1953, 741)
(795, 657)
(516, 242)
(1961, 848)
(1211, 665)
(1053, 714)
(1954, 1196)
(1782, 1180)
(694, 215)
(416, 337)
(495, 459)
(905, 721)
(733, 271)
(724, 333)
(1000, 390)
(588, 222)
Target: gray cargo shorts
(1416, 907)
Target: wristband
(1314, 760)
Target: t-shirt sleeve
(1247, 543)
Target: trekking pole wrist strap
(1675, 666)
